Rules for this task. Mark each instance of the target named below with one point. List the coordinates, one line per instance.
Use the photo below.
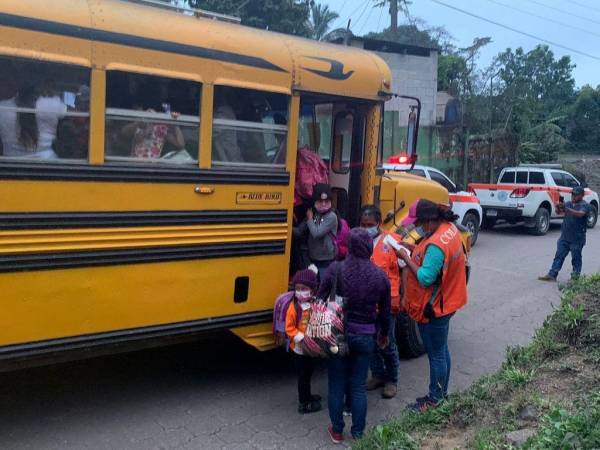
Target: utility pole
(394, 16)
(491, 132)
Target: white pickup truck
(530, 194)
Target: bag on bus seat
(310, 170)
(279, 313)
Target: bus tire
(408, 337)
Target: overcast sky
(579, 27)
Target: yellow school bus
(147, 167)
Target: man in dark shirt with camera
(572, 236)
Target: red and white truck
(530, 194)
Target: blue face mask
(373, 231)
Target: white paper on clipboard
(396, 246)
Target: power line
(524, 33)
(361, 14)
(379, 20)
(366, 21)
(562, 11)
(558, 22)
(345, 21)
(585, 6)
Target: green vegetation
(555, 377)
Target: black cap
(321, 191)
(427, 210)
(578, 190)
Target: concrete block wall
(415, 76)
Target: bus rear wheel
(408, 337)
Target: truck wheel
(487, 223)
(471, 223)
(408, 337)
(592, 217)
(541, 222)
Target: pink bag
(326, 324)
(310, 170)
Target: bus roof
(238, 55)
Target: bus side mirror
(412, 132)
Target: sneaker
(389, 390)
(336, 438)
(374, 383)
(547, 277)
(310, 407)
(422, 404)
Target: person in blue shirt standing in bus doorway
(572, 236)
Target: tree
(395, 7)
(406, 34)
(285, 16)
(320, 19)
(584, 121)
(539, 90)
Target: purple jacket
(365, 286)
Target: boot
(374, 383)
(389, 390)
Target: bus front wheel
(408, 337)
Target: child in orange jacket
(296, 320)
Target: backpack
(279, 313)
(340, 239)
(310, 170)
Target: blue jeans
(563, 248)
(435, 340)
(385, 363)
(350, 371)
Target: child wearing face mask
(296, 320)
(321, 226)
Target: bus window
(249, 127)
(316, 122)
(342, 142)
(151, 119)
(44, 110)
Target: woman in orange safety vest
(436, 288)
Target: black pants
(304, 369)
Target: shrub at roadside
(548, 392)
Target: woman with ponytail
(436, 288)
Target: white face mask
(303, 296)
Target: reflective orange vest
(386, 259)
(451, 292)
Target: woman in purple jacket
(366, 289)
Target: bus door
(335, 129)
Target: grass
(544, 374)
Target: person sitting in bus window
(50, 109)
(252, 142)
(321, 226)
(225, 139)
(148, 139)
(73, 132)
(18, 130)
